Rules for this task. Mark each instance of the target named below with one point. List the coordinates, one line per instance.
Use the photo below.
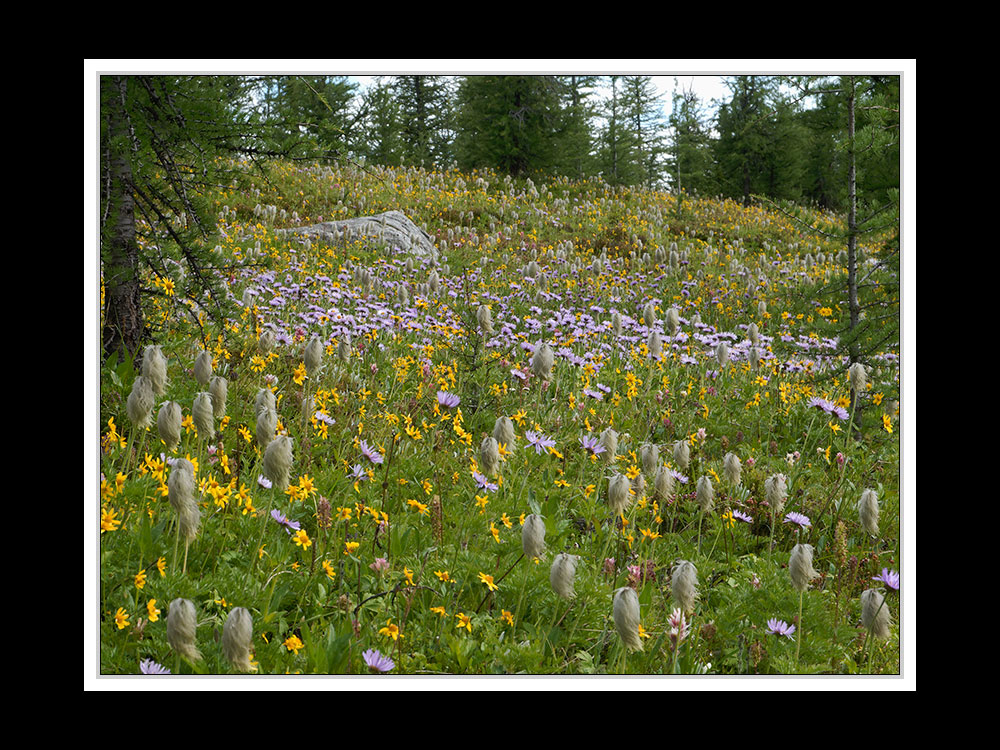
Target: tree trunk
(123, 326)
(852, 244)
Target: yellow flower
(488, 580)
(887, 423)
(140, 579)
(293, 643)
(300, 374)
(507, 617)
(154, 613)
(439, 611)
(121, 619)
(390, 630)
(302, 539)
(349, 547)
(443, 575)
(464, 621)
(649, 534)
(161, 565)
(408, 574)
(109, 520)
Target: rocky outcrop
(392, 228)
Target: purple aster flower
(448, 399)
(377, 662)
(592, 444)
(289, 524)
(264, 482)
(358, 473)
(889, 577)
(840, 411)
(780, 627)
(741, 516)
(483, 482)
(798, 518)
(371, 454)
(148, 666)
(593, 394)
(519, 374)
(541, 443)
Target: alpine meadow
(497, 376)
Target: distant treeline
(777, 136)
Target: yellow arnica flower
(154, 613)
(464, 621)
(140, 579)
(121, 618)
(293, 643)
(390, 630)
(488, 580)
(302, 539)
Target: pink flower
(840, 459)
(380, 565)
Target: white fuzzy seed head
(731, 468)
(563, 574)
(673, 321)
(684, 585)
(649, 455)
(266, 342)
(682, 454)
(503, 432)
(663, 484)
(619, 496)
(541, 362)
(722, 353)
(875, 615)
(868, 511)
(203, 415)
(313, 356)
(489, 455)
(776, 492)
(649, 315)
(485, 319)
(800, 567)
(203, 368)
(858, 376)
(264, 401)
(655, 344)
(277, 462)
(139, 406)
(705, 494)
(533, 536)
(267, 423)
(182, 625)
(218, 387)
(626, 615)
(237, 634)
(168, 424)
(609, 439)
(154, 367)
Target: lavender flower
(376, 661)
(592, 444)
(289, 524)
(448, 399)
(741, 516)
(780, 627)
(798, 518)
(371, 454)
(483, 482)
(148, 666)
(539, 441)
(889, 577)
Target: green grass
(306, 621)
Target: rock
(392, 227)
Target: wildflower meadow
(592, 431)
